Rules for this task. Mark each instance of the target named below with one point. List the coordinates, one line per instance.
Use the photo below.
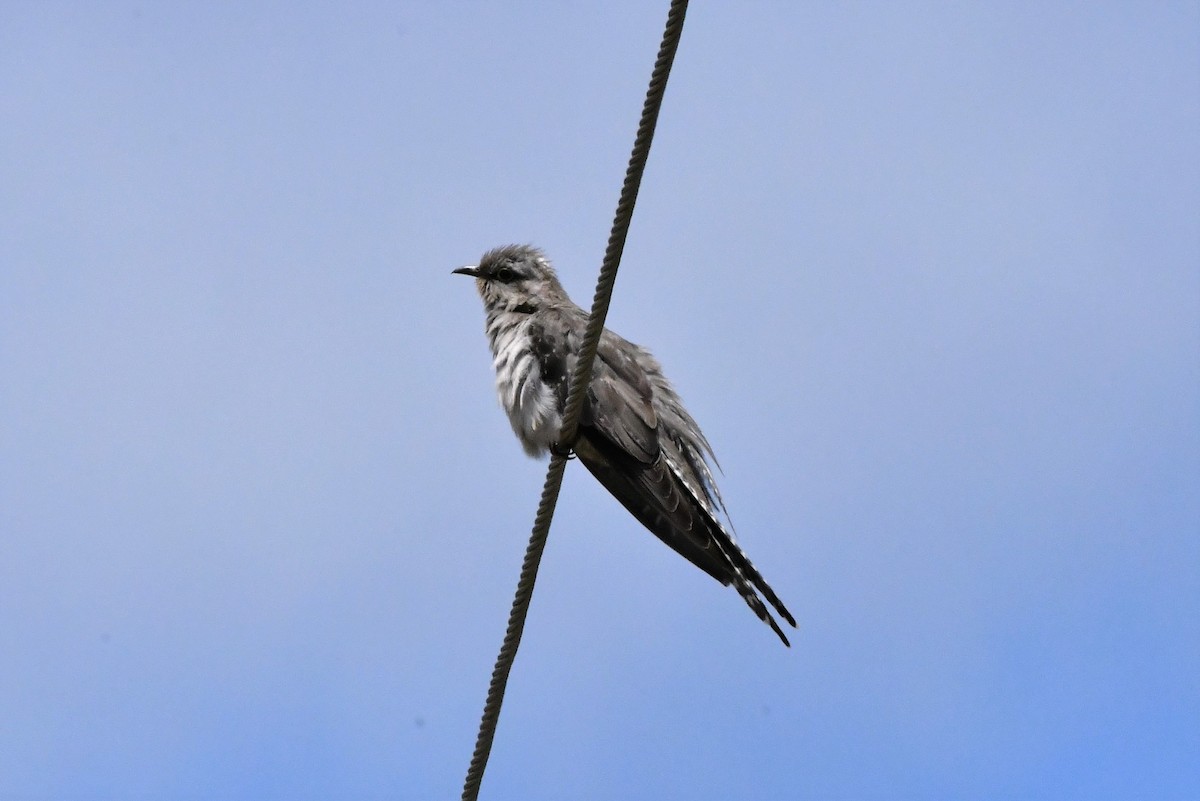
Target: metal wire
(579, 380)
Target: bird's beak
(470, 270)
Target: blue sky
(928, 274)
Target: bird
(634, 435)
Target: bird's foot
(564, 451)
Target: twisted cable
(577, 387)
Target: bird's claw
(564, 451)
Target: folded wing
(654, 464)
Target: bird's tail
(746, 580)
(742, 573)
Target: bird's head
(516, 278)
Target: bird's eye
(505, 274)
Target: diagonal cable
(579, 380)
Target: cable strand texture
(578, 382)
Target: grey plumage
(635, 436)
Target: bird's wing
(619, 435)
(620, 445)
(649, 469)
(619, 403)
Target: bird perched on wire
(634, 435)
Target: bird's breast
(530, 403)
